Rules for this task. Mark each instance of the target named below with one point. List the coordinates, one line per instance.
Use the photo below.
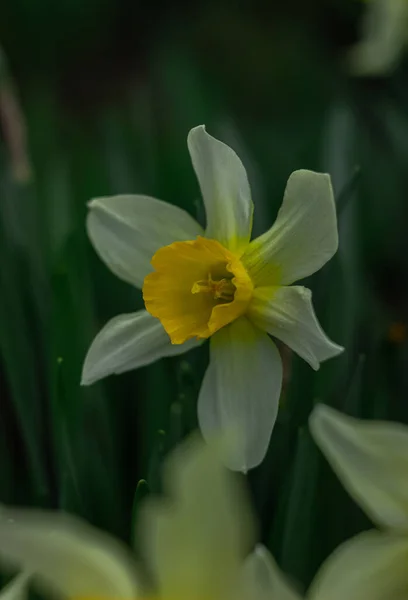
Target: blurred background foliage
(96, 98)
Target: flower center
(220, 289)
(197, 287)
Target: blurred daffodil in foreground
(371, 460)
(195, 545)
(217, 283)
(192, 541)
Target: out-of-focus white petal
(127, 230)
(302, 239)
(65, 555)
(241, 390)
(196, 539)
(17, 588)
(371, 460)
(371, 566)
(225, 189)
(384, 35)
(128, 342)
(263, 580)
(287, 314)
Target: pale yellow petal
(371, 566)
(65, 555)
(127, 230)
(287, 314)
(384, 35)
(302, 239)
(371, 460)
(128, 342)
(263, 580)
(196, 539)
(241, 388)
(225, 189)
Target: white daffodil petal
(17, 589)
(302, 239)
(65, 555)
(225, 189)
(371, 460)
(128, 342)
(384, 35)
(127, 230)
(371, 566)
(196, 539)
(287, 314)
(263, 580)
(241, 390)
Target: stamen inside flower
(197, 287)
(221, 289)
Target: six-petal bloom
(218, 284)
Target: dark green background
(108, 90)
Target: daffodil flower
(371, 460)
(217, 283)
(195, 542)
